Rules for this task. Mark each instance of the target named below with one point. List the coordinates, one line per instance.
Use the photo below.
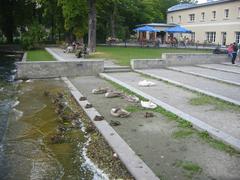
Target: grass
(186, 127)
(122, 55)
(217, 144)
(218, 104)
(133, 108)
(39, 55)
(182, 133)
(190, 167)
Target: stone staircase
(113, 69)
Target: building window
(203, 16)
(214, 15)
(239, 12)
(238, 37)
(180, 18)
(211, 36)
(192, 17)
(172, 19)
(226, 13)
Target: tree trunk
(92, 21)
(9, 36)
(52, 24)
(113, 21)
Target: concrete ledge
(148, 63)
(178, 59)
(191, 88)
(133, 163)
(198, 124)
(52, 69)
(205, 76)
(24, 58)
(55, 55)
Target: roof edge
(201, 5)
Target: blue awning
(146, 29)
(178, 29)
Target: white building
(215, 22)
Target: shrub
(34, 37)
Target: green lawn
(39, 55)
(122, 55)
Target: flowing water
(28, 123)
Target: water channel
(35, 142)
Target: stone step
(117, 67)
(176, 100)
(226, 77)
(230, 64)
(226, 92)
(110, 69)
(221, 67)
(116, 70)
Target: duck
(131, 98)
(112, 94)
(119, 112)
(100, 90)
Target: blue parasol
(146, 29)
(178, 29)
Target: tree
(15, 13)
(75, 16)
(92, 21)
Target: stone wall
(53, 69)
(147, 63)
(178, 59)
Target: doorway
(224, 38)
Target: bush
(34, 37)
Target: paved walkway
(222, 67)
(230, 64)
(61, 56)
(220, 90)
(153, 138)
(227, 77)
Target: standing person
(238, 52)
(234, 53)
(230, 50)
